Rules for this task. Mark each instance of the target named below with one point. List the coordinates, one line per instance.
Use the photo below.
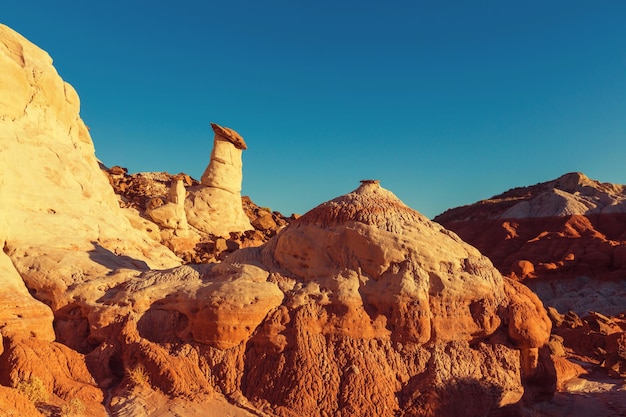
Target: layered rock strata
(565, 238)
(60, 223)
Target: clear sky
(446, 102)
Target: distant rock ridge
(571, 194)
(565, 238)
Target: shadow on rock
(463, 397)
(110, 260)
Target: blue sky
(445, 102)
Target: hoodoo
(171, 215)
(214, 206)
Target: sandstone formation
(362, 306)
(60, 223)
(214, 206)
(139, 193)
(171, 214)
(594, 338)
(565, 238)
(571, 194)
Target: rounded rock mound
(397, 272)
(369, 204)
(372, 286)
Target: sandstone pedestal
(214, 206)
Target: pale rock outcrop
(59, 202)
(375, 252)
(369, 284)
(215, 206)
(56, 195)
(171, 215)
(60, 223)
(141, 192)
(172, 219)
(21, 316)
(360, 307)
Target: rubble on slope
(145, 190)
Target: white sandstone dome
(369, 249)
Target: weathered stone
(362, 306)
(171, 215)
(61, 227)
(571, 230)
(214, 206)
(264, 222)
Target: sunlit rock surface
(360, 307)
(565, 239)
(215, 206)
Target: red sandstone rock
(64, 372)
(552, 236)
(566, 240)
(15, 403)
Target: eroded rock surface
(360, 307)
(214, 206)
(140, 192)
(60, 223)
(565, 238)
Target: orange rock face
(565, 239)
(360, 307)
(595, 338)
(551, 247)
